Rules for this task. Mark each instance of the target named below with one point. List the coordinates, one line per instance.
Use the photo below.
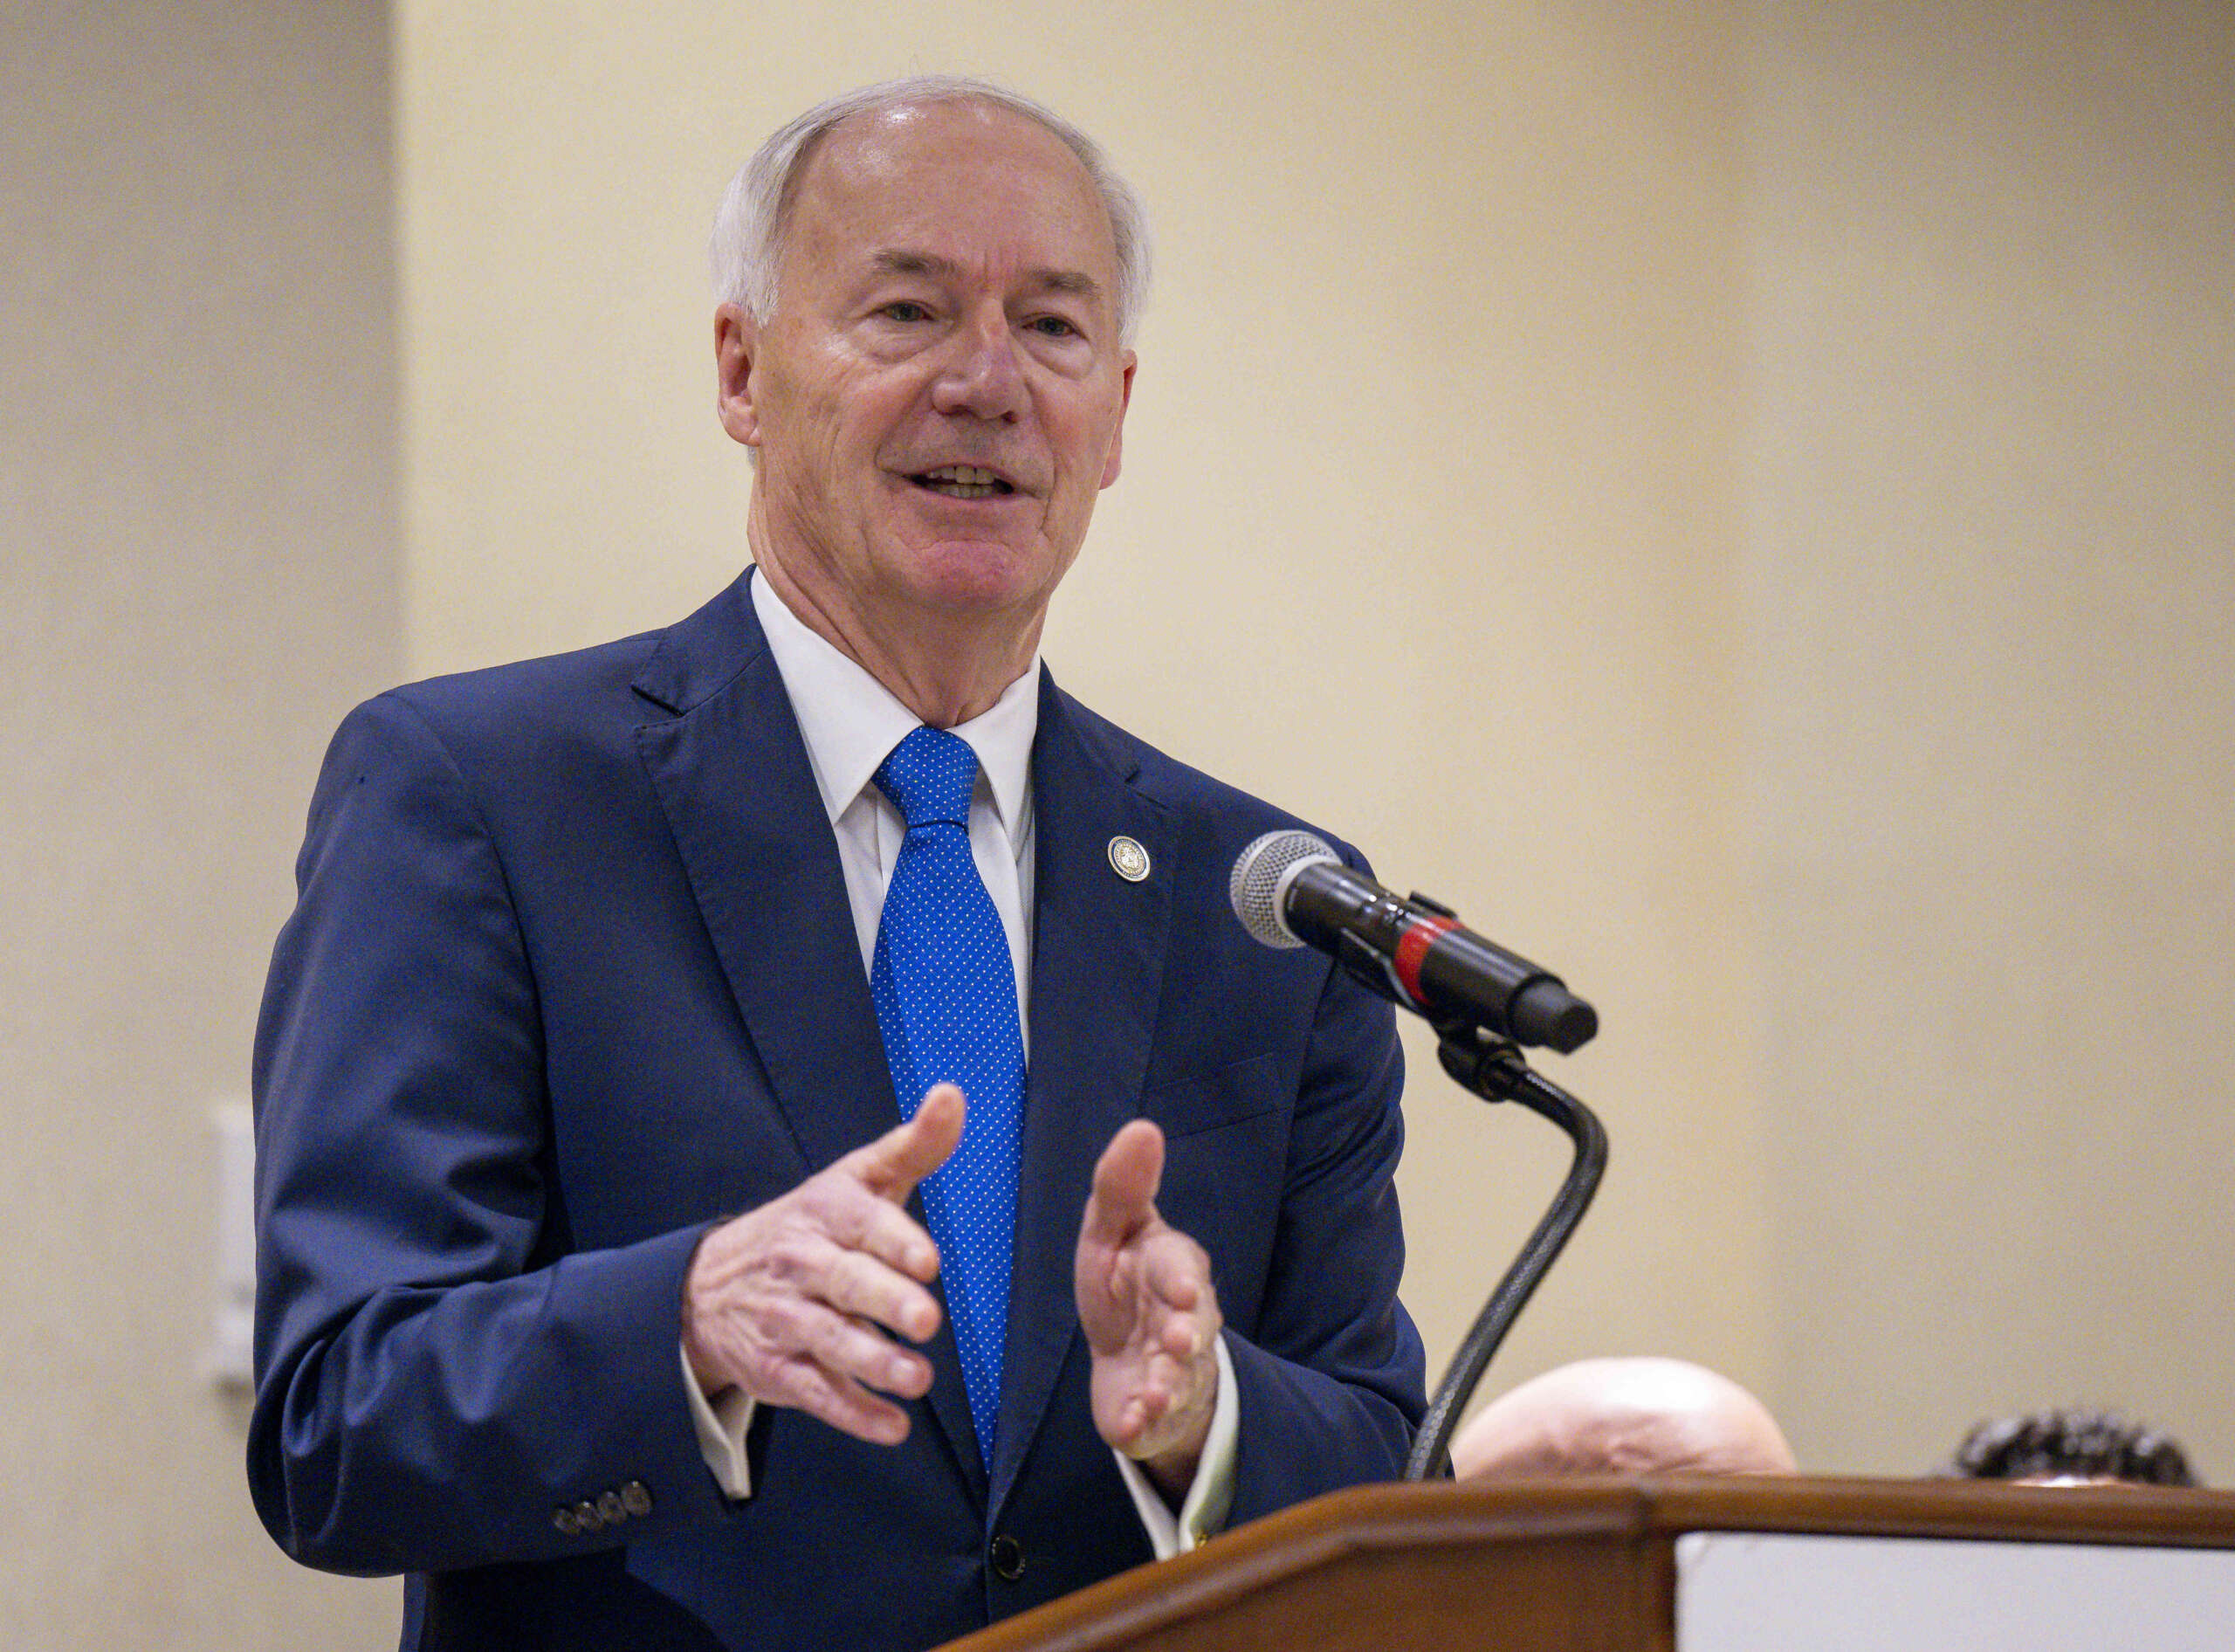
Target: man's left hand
(1151, 1315)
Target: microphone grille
(1254, 889)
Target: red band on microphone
(1412, 947)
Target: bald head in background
(1623, 1416)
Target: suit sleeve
(438, 1384)
(1330, 1377)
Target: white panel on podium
(1758, 1591)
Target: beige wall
(1990, 583)
(1738, 500)
(197, 574)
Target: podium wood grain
(1581, 1565)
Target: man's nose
(981, 375)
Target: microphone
(1289, 889)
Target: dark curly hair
(2071, 1442)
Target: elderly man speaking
(768, 1133)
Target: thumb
(1125, 1182)
(892, 1165)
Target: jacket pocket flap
(1241, 1089)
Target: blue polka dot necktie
(945, 995)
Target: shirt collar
(851, 721)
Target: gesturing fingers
(1175, 1269)
(791, 1303)
(793, 1319)
(838, 1401)
(855, 1219)
(847, 1348)
(858, 1283)
(1149, 1309)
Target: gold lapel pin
(1128, 859)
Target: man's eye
(904, 310)
(1055, 326)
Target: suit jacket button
(587, 1518)
(567, 1525)
(609, 1509)
(636, 1498)
(1007, 1557)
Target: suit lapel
(733, 775)
(1098, 952)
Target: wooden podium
(1679, 1564)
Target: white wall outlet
(228, 1361)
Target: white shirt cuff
(1203, 1514)
(721, 1424)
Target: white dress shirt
(849, 722)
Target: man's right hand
(786, 1302)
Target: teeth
(964, 481)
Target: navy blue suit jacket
(572, 977)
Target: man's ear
(1118, 436)
(737, 352)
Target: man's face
(937, 397)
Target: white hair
(749, 225)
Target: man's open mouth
(963, 482)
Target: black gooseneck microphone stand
(1494, 1070)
